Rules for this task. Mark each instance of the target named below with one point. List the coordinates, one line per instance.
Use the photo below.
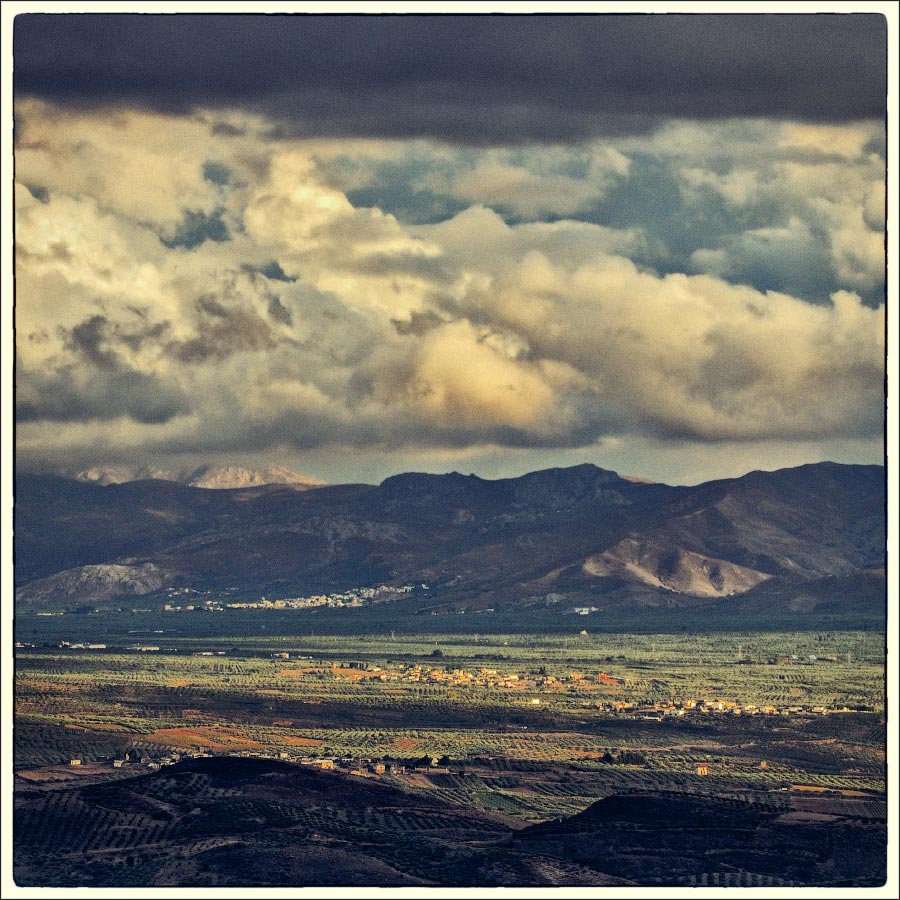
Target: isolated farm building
(74, 762)
(703, 769)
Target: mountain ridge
(583, 531)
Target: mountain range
(573, 535)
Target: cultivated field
(808, 705)
(523, 729)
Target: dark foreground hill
(670, 838)
(574, 536)
(247, 822)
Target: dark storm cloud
(101, 386)
(477, 79)
(305, 430)
(73, 394)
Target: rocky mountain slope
(579, 532)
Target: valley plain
(751, 759)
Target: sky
(360, 245)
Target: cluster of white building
(353, 598)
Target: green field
(534, 726)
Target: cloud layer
(188, 286)
(469, 79)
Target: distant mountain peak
(119, 474)
(238, 477)
(206, 476)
